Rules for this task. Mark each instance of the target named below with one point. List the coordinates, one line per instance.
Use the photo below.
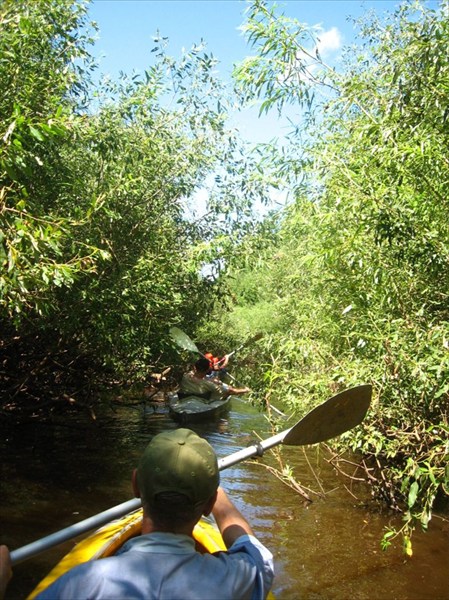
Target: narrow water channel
(53, 476)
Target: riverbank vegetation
(354, 284)
(101, 249)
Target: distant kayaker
(178, 481)
(195, 383)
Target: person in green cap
(178, 481)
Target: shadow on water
(53, 476)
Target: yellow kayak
(107, 540)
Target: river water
(55, 475)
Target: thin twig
(289, 481)
(313, 472)
(440, 517)
(349, 491)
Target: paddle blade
(335, 416)
(182, 340)
(255, 338)
(249, 341)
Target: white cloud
(328, 44)
(329, 41)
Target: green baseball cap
(178, 461)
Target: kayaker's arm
(5, 569)
(231, 523)
(223, 362)
(232, 391)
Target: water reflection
(53, 476)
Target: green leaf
(36, 133)
(413, 494)
(408, 546)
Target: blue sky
(127, 28)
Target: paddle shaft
(118, 511)
(73, 531)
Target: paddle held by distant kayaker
(178, 482)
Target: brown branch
(290, 482)
(350, 492)
(313, 472)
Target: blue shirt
(166, 566)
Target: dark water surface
(54, 476)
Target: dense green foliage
(40, 90)
(100, 247)
(355, 286)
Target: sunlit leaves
(99, 227)
(360, 265)
(286, 65)
(38, 77)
